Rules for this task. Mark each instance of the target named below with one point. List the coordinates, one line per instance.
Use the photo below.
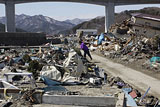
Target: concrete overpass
(109, 8)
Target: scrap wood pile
(122, 28)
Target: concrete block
(121, 100)
(79, 100)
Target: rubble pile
(126, 46)
(148, 100)
(134, 49)
(121, 28)
(49, 70)
(62, 70)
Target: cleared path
(139, 80)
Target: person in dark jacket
(85, 49)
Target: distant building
(49, 37)
(87, 31)
(145, 24)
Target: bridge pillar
(109, 15)
(10, 16)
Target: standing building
(87, 31)
(145, 24)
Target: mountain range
(97, 23)
(77, 21)
(40, 23)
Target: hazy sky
(64, 10)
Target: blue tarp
(49, 82)
(130, 100)
(127, 89)
(155, 59)
(16, 59)
(101, 38)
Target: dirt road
(135, 78)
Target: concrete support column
(109, 15)
(10, 16)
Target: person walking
(85, 49)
